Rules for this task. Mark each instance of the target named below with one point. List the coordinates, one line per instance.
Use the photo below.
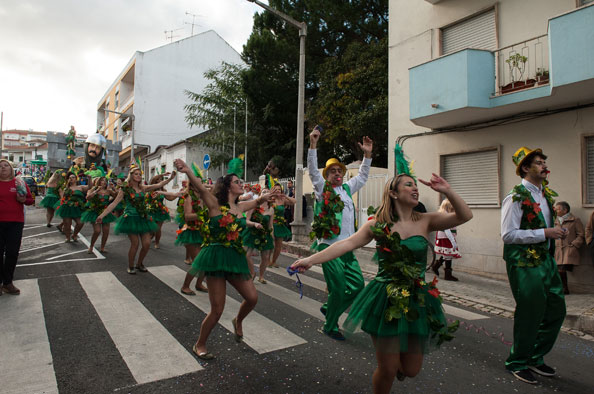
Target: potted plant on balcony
(542, 76)
(517, 65)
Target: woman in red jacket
(13, 194)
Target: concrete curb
(581, 325)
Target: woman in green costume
(191, 235)
(52, 197)
(400, 311)
(136, 222)
(98, 198)
(157, 208)
(259, 235)
(72, 200)
(223, 259)
(282, 232)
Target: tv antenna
(169, 34)
(193, 21)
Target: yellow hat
(521, 155)
(333, 162)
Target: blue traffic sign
(206, 161)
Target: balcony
(473, 86)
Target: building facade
(471, 81)
(23, 146)
(151, 93)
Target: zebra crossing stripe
(260, 333)
(149, 350)
(25, 357)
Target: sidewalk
(485, 294)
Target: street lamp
(297, 224)
(131, 116)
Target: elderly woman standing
(567, 248)
(13, 195)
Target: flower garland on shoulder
(155, 204)
(201, 223)
(398, 262)
(230, 237)
(70, 199)
(326, 224)
(95, 204)
(137, 201)
(180, 214)
(531, 220)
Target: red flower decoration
(526, 202)
(386, 250)
(370, 218)
(326, 202)
(530, 217)
(225, 220)
(434, 282)
(387, 230)
(536, 207)
(335, 229)
(322, 214)
(434, 293)
(232, 235)
(326, 195)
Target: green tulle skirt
(90, 216)
(50, 201)
(255, 240)
(189, 237)
(132, 224)
(399, 335)
(281, 231)
(222, 262)
(67, 211)
(161, 217)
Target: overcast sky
(58, 57)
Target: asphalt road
(84, 325)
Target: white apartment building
(471, 81)
(150, 92)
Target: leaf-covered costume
(259, 239)
(135, 219)
(191, 232)
(51, 199)
(71, 204)
(94, 207)
(281, 230)
(398, 307)
(224, 256)
(157, 208)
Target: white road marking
(37, 235)
(149, 350)
(65, 254)
(57, 261)
(26, 358)
(260, 333)
(462, 314)
(41, 247)
(34, 226)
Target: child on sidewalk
(446, 247)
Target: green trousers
(345, 281)
(540, 310)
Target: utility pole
(193, 19)
(1, 138)
(169, 34)
(298, 225)
(245, 146)
(234, 117)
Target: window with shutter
(474, 176)
(477, 32)
(584, 2)
(588, 169)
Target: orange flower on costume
(225, 220)
(232, 235)
(434, 292)
(530, 217)
(335, 229)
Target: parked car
(30, 181)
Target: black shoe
(323, 311)
(543, 370)
(336, 335)
(525, 376)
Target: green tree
(271, 79)
(215, 108)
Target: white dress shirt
(511, 216)
(347, 227)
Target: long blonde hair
(446, 206)
(386, 212)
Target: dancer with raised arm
(400, 311)
(258, 237)
(157, 209)
(223, 259)
(334, 220)
(98, 198)
(135, 221)
(72, 200)
(282, 232)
